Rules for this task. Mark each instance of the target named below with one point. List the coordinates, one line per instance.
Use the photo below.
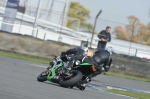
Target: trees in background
(78, 16)
(135, 31)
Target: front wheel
(42, 77)
(72, 81)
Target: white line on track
(37, 65)
(93, 87)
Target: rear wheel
(76, 77)
(42, 77)
(71, 87)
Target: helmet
(84, 46)
(87, 52)
(90, 53)
(110, 50)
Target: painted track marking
(93, 86)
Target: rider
(102, 58)
(78, 54)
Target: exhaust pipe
(85, 81)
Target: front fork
(51, 64)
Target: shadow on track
(59, 85)
(51, 83)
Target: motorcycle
(78, 76)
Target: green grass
(131, 94)
(128, 76)
(24, 57)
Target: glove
(51, 63)
(63, 54)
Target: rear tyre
(42, 77)
(82, 88)
(71, 87)
(72, 81)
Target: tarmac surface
(18, 80)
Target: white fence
(60, 33)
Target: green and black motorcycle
(78, 76)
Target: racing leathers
(102, 59)
(78, 54)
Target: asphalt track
(18, 81)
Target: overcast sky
(115, 12)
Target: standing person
(104, 37)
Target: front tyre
(42, 77)
(72, 81)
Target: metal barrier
(50, 31)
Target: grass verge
(46, 61)
(128, 76)
(24, 57)
(131, 94)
